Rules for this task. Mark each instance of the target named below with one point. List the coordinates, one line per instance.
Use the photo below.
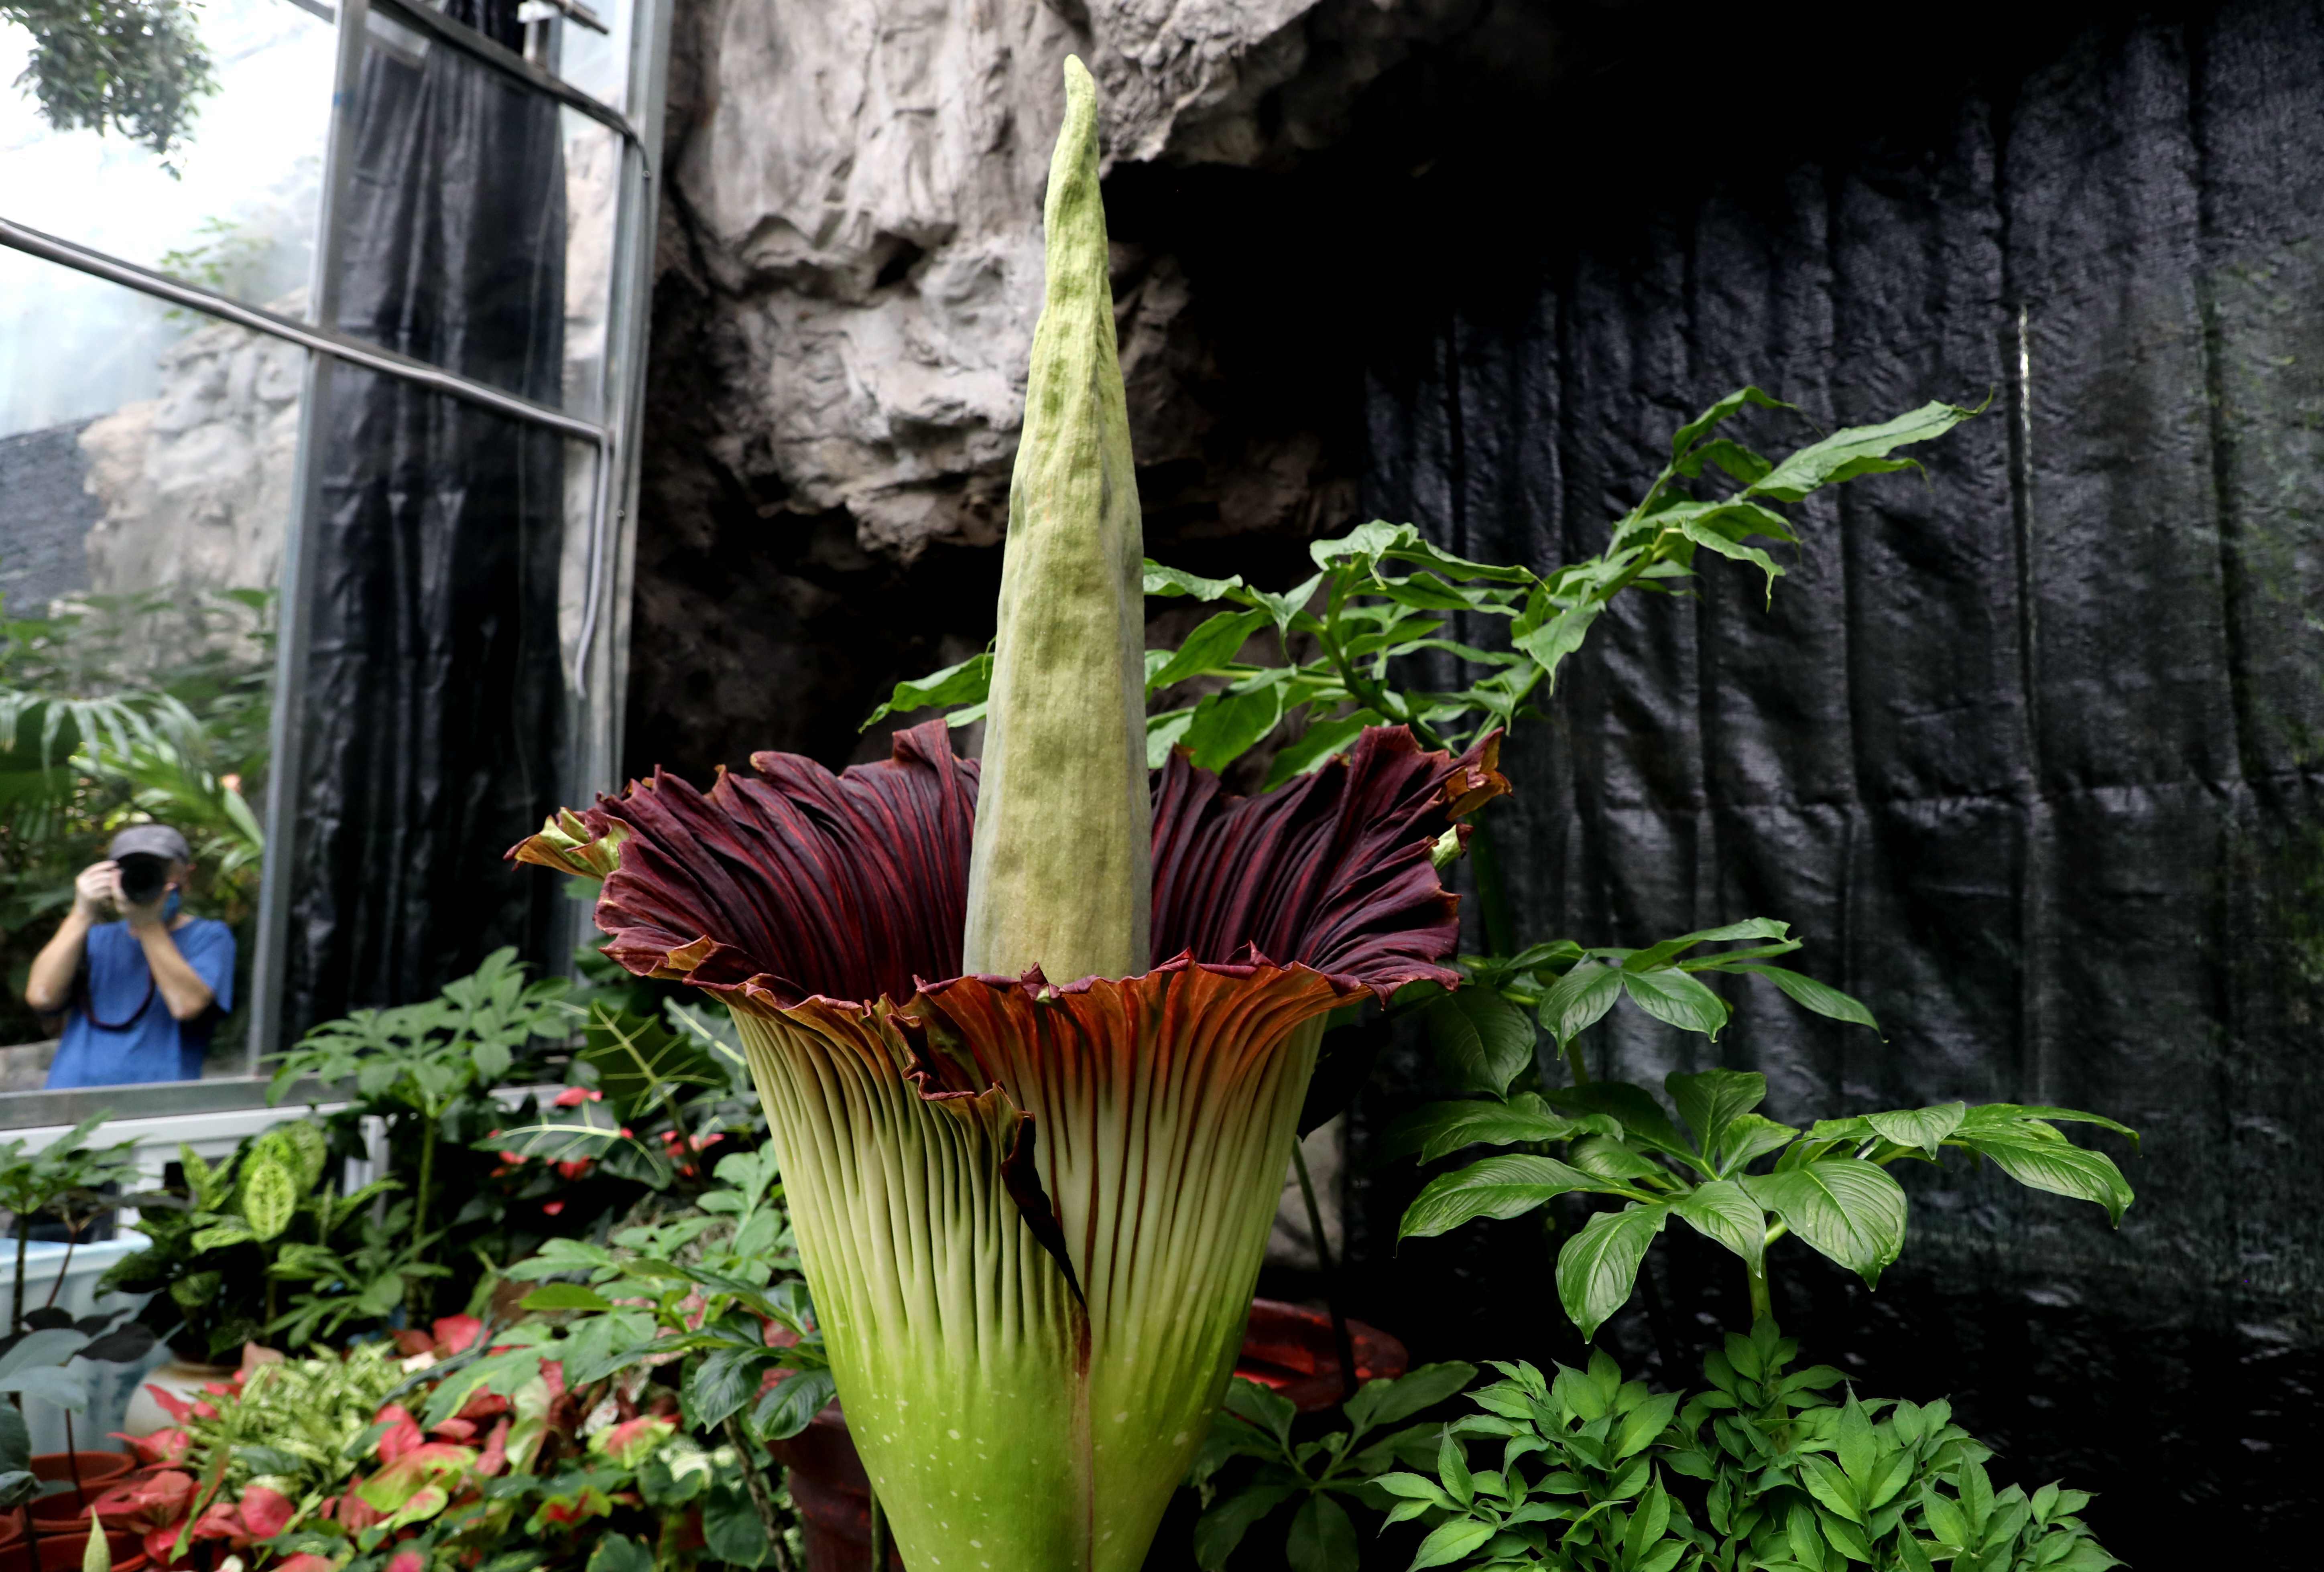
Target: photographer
(140, 996)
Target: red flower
(402, 1434)
(574, 1168)
(573, 1097)
(552, 1206)
(265, 1512)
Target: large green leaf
(1384, 1402)
(269, 1194)
(1214, 644)
(1823, 999)
(1633, 1106)
(1926, 1129)
(1722, 1211)
(966, 683)
(1220, 1529)
(1485, 1041)
(1688, 435)
(1678, 998)
(1860, 450)
(1438, 1128)
(1599, 1266)
(1668, 949)
(1321, 1539)
(1851, 1210)
(1579, 998)
(1713, 1101)
(2059, 1167)
(1494, 1187)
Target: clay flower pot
(1286, 1347)
(62, 1553)
(66, 1511)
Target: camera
(144, 877)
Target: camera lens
(144, 877)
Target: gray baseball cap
(154, 839)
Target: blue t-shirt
(141, 1042)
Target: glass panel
(598, 63)
(141, 521)
(480, 222)
(231, 203)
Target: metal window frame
(601, 658)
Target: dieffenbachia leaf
(1482, 1038)
(1495, 1186)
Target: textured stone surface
(849, 276)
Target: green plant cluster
(136, 67)
(1766, 1470)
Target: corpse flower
(1032, 1173)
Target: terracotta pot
(12, 1527)
(69, 1508)
(64, 1552)
(1284, 1346)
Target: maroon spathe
(800, 884)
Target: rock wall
(849, 276)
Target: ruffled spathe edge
(797, 884)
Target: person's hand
(95, 888)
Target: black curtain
(434, 713)
(2032, 752)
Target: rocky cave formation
(849, 273)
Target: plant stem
(762, 1499)
(879, 1529)
(1573, 1062)
(1328, 1271)
(1762, 1310)
(72, 1240)
(72, 1461)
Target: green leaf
(1599, 1266)
(269, 1195)
(1495, 1186)
(1608, 1157)
(1669, 950)
(722, 1381)
(1485, 1041)
(2059, 1167)
(1323, 742)
(1847, 1209)
(1860, 450)
(1227, 725)
(2011, 1113)
(1693, 430)
(1714, 1099)
(1807, 991)
(1450, 1542)
(620, 1553)
(1164, 733)
(1579, 999)
(1720, 1210)
(566, 1296)
(1677, 997)
(1731, 455)
(1322, 1538)
(732, 1529)
(1437, 1128)
(1751, 1137)
(794, 1401)
(1926, 1129)
(1633, 1106)
(1384, 1402)
(968, 683)
(1172, 581)
(1220, 1529)
(1214, 644)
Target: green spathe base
(1004, 1422)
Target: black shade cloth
(2032, 753)
(434, 712)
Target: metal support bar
(501, 57)
(315, 337)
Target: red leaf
(402, 1435)
(455, 1333)
(265, 1512)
